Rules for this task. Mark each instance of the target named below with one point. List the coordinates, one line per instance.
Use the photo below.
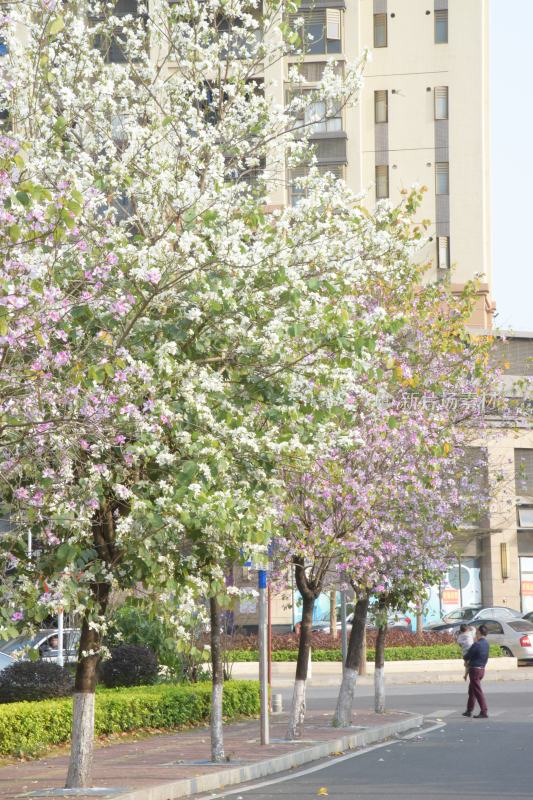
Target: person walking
(476, 660)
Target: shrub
(182, 658)
(27, 729)
(129, 665)
(34, 680)
(325, 641)
(433, 653)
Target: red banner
(450, 596)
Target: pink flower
(153, 276)
(17, 616)
(62, 358)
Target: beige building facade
(422, 118)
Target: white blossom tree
(207, 335)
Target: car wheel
(506, 652)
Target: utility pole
(263, 655)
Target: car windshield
(20, 643)
(521, 625)
(457, 615)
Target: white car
(45, 641)
(5, 661)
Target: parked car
(46, 642)
(528, 616)
(5, 661)
(394, 620)
(513, 635)
(468, 614)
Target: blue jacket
(478, 655)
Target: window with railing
(441, 102)
(381, 106)
(380, 30)
(382, 182)
(321, 32)
(297, 192)
(112, 43)
(441, 26)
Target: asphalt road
(467, 759)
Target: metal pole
(344, 631)
(263, 656)
(459, 570)
(269, 639)
(60, 647)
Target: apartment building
(423, 118)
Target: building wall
(409, 68)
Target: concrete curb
(233, 776)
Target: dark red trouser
(475, 692)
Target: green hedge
(436, 652)
(27, 729)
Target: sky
(512, 162)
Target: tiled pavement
(165, 758)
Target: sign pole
(60, 644)
(263, 655)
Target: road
(468, 759)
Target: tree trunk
(419, 618)
(333, 613)
(217, 735)
(82, 744)
(379, 671)
(297, 715)
(343, 712)
(361, 667)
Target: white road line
(441, 712)
(422, 731)
(332, 762)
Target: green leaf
(23, 198)
(14, 232)
(56, 25)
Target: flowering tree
(380, 504)
(207, 337)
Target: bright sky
(512, 162)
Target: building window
(525, 516)
(442, 178)
(382, 182)
(441, 102)
(380, 30)
(441, 27)
(112, 43)
(443, 252)
(322, 118)
(320, 32)
(523, 465)
(381, 106)
(297, 192)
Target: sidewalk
(329, 673)
(169, 766)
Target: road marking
(331, 763)
(422, 731)
(441, 712)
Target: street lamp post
(263, 655)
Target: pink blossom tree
(382, 501)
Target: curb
(231, 777)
